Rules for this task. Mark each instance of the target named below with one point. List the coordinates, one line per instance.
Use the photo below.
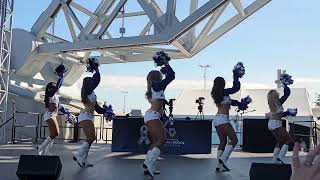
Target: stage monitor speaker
(263, 171)
(256, 136)
(39, 167)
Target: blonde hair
(152, 76)
(273, 100)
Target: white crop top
(226, 100)
(92, 97)
(54, 99)
(157, 95)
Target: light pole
(124, 101)
(204, 68)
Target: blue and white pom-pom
(160, 58)
(108, 112)
(92, 63)
(292, 112)
(244, 103)
(60, 69)
(239, 70)
(71, 119)
(285, 79)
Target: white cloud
(307, 80)
(123, 82)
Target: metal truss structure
(160, 28)
(6, 11)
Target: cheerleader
(223, 101)
(53, 107)
(155, 94)
(86, 117)
(275, 123)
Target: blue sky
(284, 34)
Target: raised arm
(99, 109)
(235, 103)
(286, 94)
(57, 87)
(170, 76)
(63, 109)
(235, 88)
(94, 82)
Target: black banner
(183, 137)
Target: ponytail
(149, 93)
(84, 95)
(152, 76)
(49, 87)
(217, 90)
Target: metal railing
(103, 131)
(14, 127)
(313, 133)
(76, 130)
(40, 128)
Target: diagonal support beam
(146, 29)
(70, 25)
(73, 16)
(92, 24)
(154, 13)
(46, 18)
(227, 26)
(212, 21)
(84, 10)
(105, 25)
(170, 12)
(238, 6)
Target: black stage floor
(127, 166)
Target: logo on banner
(172, 132)
(144, 135)
(173, 140)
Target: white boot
(276, 152)
(225, 156)
(85, 156)
(219, 165)
(78, 156)
(282, 155)
(145, 168)
(44, 144)
(48, 150)
(151, 158)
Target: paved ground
(127, 166)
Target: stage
(127, 166)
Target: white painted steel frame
(167, 29)
(5, 57)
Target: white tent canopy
(299, 98)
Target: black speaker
(263, 171)
(39, 167)
(256, 136)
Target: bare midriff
(223, 109)
(89, 108)
(157, 105)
